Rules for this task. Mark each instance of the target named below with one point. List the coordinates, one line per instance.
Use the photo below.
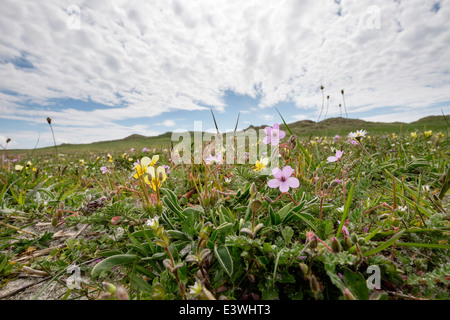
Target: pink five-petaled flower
(283, 179)
(337, 157)
(274, 134)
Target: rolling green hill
(303, 129)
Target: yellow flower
(81, 162)
(18, 167)
(155, 178)
(142, 167)
(154, 160)
(123, 155)
(110, 158)
(414, 135)
(130, 159)
(261, 164)
(394, 136)
(428, 133)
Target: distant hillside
(303, 128)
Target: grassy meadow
(357, 211)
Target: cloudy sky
(106, 69)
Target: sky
(104, 70)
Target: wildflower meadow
(351, 215)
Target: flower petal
(282, 134)
(163, 172)
(151, 171)
(274, 140)
(276, 126)
(287, 171)
(293, 182)
(273, 183)
(155, 159)
(339, 154)
(145, 161)
(277, 173)
(284, 187)
(268, 130)
(266, 140)
(332, 159)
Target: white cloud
(144, 59)
(169, 123)
(267, 117)
(298, 117)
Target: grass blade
(384, 245)
(346, 209)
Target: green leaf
(290, 214)
(114, 261)
(424, 245)
(306, 217)
(384, 245)
(287, 234)
(174, 207)
(273, 217)
(357, 284)
(35, 190)
(224, 257)
(285, 210)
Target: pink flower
(274, 134)
(337, 157)
(213, 159)
(167, 168)
(104, 170)
(114, 220)
(283, 179)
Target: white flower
(358, 134)
(340, 209)
(152, 223)
(402, 208)
(195, 289)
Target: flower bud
(347, 242)
(253, 189)
(335, 245)
(205, 202)
(206, 231)
(122, 294)
(325, 185)
(313, 242)
(109, 287)
(158, 207)
(335, 183)
(8, 140)
(256, 204)
(314, 284)
(304, 268)
(49, 120)
(348, 295)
